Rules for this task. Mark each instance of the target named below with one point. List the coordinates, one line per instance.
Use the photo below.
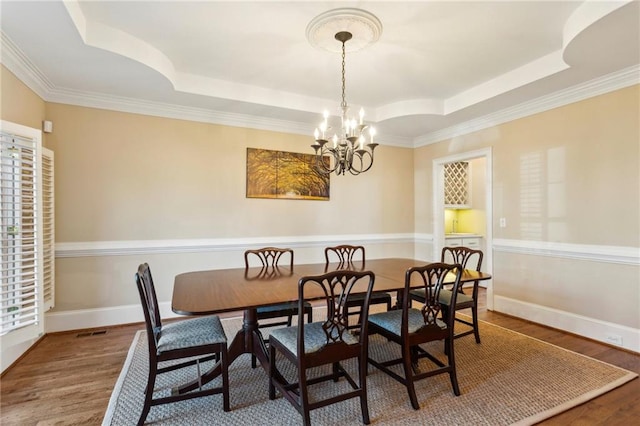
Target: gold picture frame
(285, 175)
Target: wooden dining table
(245, 289)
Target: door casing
(438, 208)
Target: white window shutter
(21, 305)
(48, 230)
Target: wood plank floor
(67, 380)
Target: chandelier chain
(344, 100)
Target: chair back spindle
(269, 256)
(465, 256)
(345, 255)
(337, 286)
(433, 278)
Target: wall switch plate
(614, 339)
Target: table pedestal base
(247, 340)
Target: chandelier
(350, 148)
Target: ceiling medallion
(364, 27)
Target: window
(21, 253)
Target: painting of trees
(289, 175)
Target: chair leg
(445, 313)
(148, 394)
(408, 374)
(364, 406)
(304, 397)
(224, 364)
(452, 365)
(310, 315)
(474, 314)
(272, 372)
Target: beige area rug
(507, 379)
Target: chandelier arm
(339, 160)
(361, 154)
(319, 163)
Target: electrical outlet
(503, 222)
(614, 339)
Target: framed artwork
(286, 175)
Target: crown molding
(19, 64)
(598, 86)
(180, 112)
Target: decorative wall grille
(456, 183)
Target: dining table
(246, 289)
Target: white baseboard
(591, 328)
(100, 317)
(583, 326)
(106, 317)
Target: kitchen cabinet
(472, 241)
(456, 185)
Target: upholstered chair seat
(314, 337)
(191, 332)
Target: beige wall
(18, 103)
(566, 175)
(122, 177)
(569, 175)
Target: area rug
(508, 379)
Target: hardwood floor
(67, 378)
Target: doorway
(439, 209)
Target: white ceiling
(438, 67)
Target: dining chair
(269, 260)
(466, 257)
(410, 327)
(193, 340)
(346, 256)
(325, 342)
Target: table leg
(247, 340)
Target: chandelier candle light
(351, 147)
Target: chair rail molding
(132, 247)
(597, 253)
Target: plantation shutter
(48, 234)
(21, 307)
